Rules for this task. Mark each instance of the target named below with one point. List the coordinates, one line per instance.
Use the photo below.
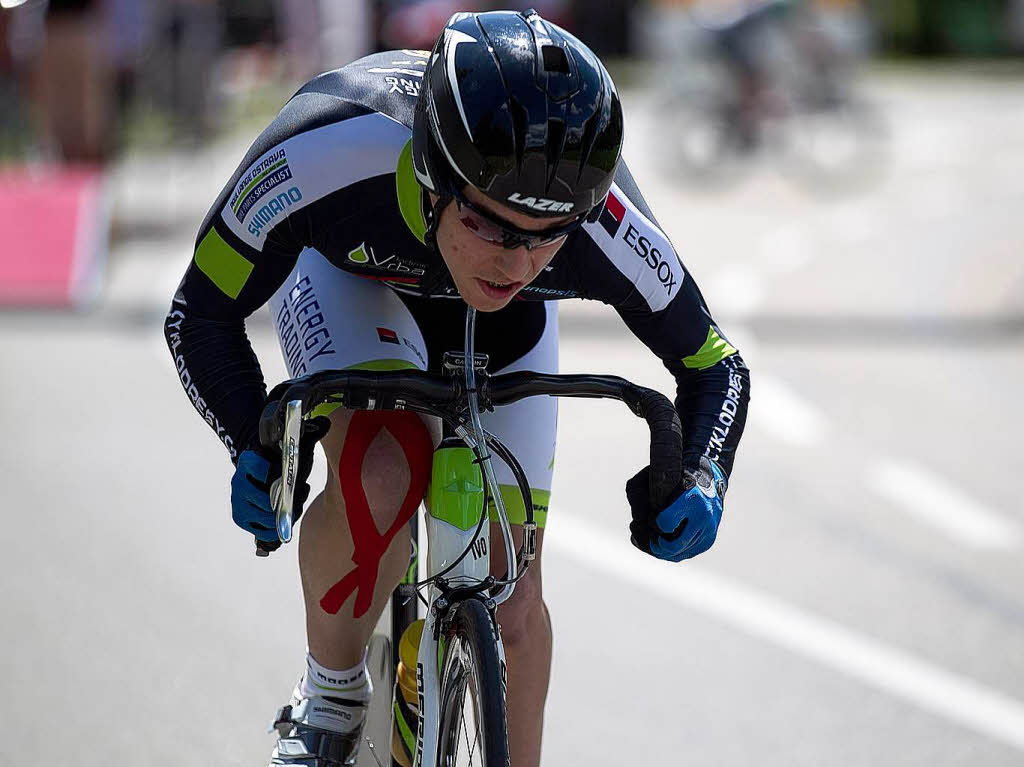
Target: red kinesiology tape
(369, 544)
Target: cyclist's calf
(524, 614)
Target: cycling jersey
(334, 172)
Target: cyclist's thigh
(328, 319)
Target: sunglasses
(490, 228)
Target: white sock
(352, 684)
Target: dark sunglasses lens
(481, 227)
(491, 231)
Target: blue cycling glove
(255, 472)
(250, 494)
(687, 526)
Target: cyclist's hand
(688, 526)
(256, 471)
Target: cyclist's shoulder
(337, 138)
(361, 110)
(385, 83)
(625, 210)
(625, 252)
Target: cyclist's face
(488, 275)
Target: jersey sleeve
(226, 281)
(626, 260)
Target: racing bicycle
(460, 664)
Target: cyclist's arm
(226, 281)
(298, 186)
(627, 261)
(245, 249)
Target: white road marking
(775, 408)
(953, 697)
(937, 502)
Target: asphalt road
(863, 604)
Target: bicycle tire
(470, 665)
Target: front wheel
(473, 732)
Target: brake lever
(282, 491)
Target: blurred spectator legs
(72, 86)
(1015, 26)
(347, 31)
(300, 25)
(59, 64)
(182, 64)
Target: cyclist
(383, 198)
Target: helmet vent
(555, 59)
(520, 118)
(555, 147)
(587, 144)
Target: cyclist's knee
(378, 458)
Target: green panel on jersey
(224, 265)
(516, 510)
(409, 194)
(714, 350)
(329, 407)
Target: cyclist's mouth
(498, 290)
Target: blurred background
(841, 178)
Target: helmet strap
(432, 214)
(596, 211)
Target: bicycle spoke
(476, 728)
(462, 725)
(476, 740)
(469, 702)
(465, 738)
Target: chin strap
(437, 279)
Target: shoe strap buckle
(282, 721)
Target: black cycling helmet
(520, 109)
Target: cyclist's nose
(514, 264)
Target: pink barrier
(53, 234)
